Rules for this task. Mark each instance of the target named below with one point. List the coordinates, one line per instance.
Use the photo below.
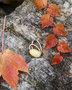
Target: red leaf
(57, 59)
(53, 10)
(63, 47)
(40, 4)
(59, 30)
(46, 21)
(10, 74)
(17, 60)
(10, 63)
(51, 41)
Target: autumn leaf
(57, 59)
(59, 30)
(51, 41)
(46, 21)
(10, 63)
(40, 4)
(63, 47)
(53, 10)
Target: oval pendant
(35, 53)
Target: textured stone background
(23, 25)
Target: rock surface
(22, 26)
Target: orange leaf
(51, 41)
(10, 63)
(57, 59)
(17, 60)
(10, 74)
(46, 21)
(53, 10)
(63, 47)
(59, 30)
(40, 4)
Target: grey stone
(22, 26)
(70, 9)
(66, 5)
(58, 1)
(70, 1)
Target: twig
(3, 34)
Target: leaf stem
(3, 35)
